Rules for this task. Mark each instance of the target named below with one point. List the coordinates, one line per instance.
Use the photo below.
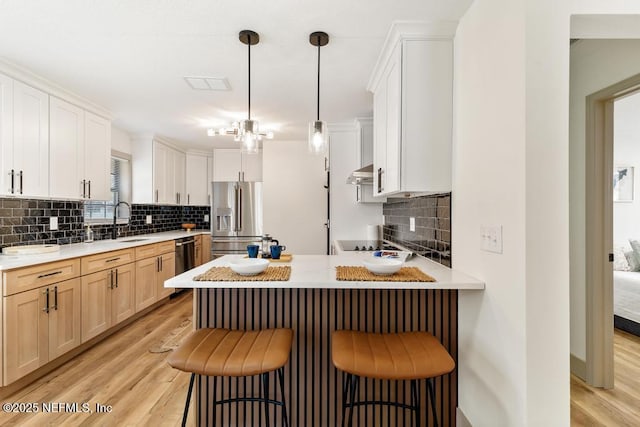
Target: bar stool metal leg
(430, 387)
(215, 401)
(345, 391)
(285, 420)
(186, 406)
(354, 388)
(415, 400)
(265, 392)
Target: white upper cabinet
(96, 164)
(26, 154)
(67, 148)
(412, 86)
(158, 172)
(83, 139)
(6, 133)
(197, 179)
(233, 165)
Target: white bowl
(249, 266)
(383, 266)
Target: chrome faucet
(114, 230)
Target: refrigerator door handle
(240, 208)
(236, 208)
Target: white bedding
(626, 294)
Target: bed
(626, 300)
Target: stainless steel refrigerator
(236, 216)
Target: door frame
(599, 229)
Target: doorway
(600, 107)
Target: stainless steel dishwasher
(185, 254)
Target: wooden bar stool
(392, 356)
(233, 353)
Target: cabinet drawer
(24, 279)
(93, 263)
(168, 246)
(146, 251)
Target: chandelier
(246, 131)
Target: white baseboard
(578, 367)
(461, 420)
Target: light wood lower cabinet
(40, 325)
(167, 271)
(198, 250)
(150, 276)
(146, 270)
(206, 248)
(107, 299)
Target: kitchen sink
(133, 240)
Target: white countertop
(318, 271)
(75, 250)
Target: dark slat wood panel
(313, 387)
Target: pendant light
(318, 134)
(246, 131)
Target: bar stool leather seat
(409, 356)
(232, 353)
(217, 352)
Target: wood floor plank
(617, 407)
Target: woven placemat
(226, 274)
(405, 274)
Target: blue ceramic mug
(276, 250)
(252, 250)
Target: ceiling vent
(208, 83)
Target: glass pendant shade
(318, 137)
(249, 135)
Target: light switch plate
(491, 238)
(206, 218)
(53, 223)
(412, 223)
(149, 219)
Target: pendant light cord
(318, 106)
(249, 74)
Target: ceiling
(131, 56)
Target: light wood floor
(120, 371)
(619, 406)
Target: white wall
(295, 200)
(512, 100)
(595, 65)
(626, 134)
(489, 189)
(349, 219)
(120, 140)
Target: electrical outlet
(412, 223)
(491, 238)
(206, 218)
(53, 223)
(149, 219)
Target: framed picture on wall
(623, 184)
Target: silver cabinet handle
(84, 188)
(20, 182)
(243, 176)
(239, 176)
(188, 198)
(13, 181)
(89, 188)
(157, 196)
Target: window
(101, 212)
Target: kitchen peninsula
(314, 304)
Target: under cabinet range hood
(361, 176)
